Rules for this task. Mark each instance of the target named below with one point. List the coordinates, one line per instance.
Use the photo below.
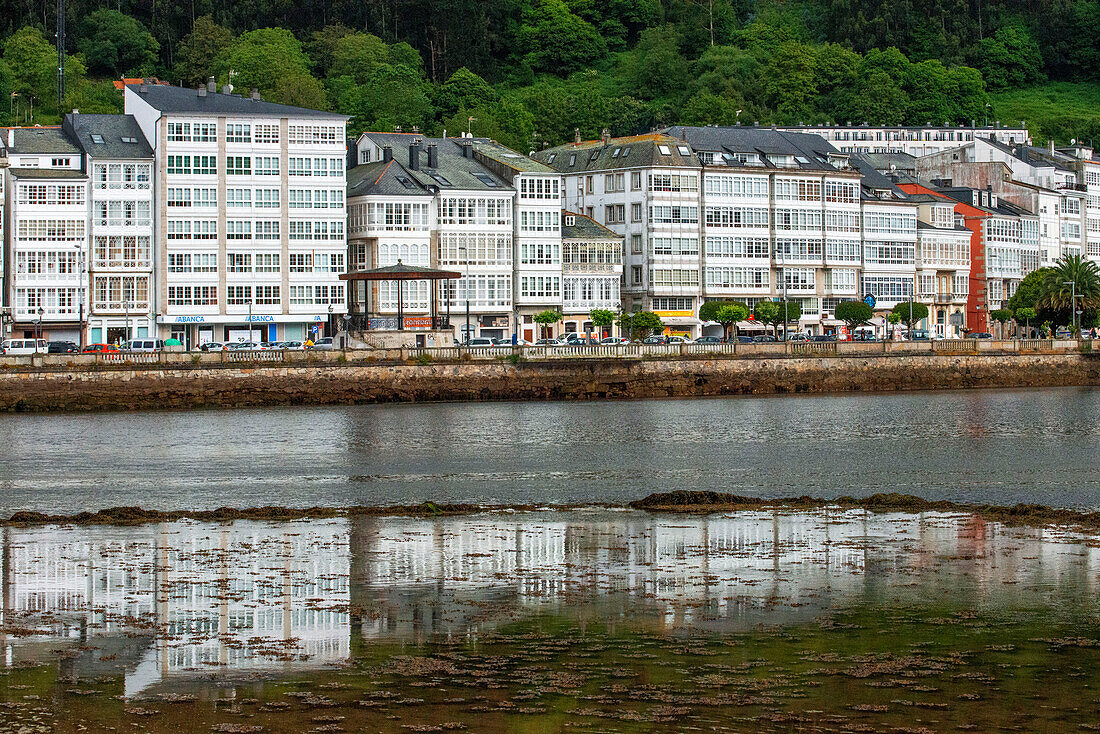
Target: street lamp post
(126, 314)
(466, 287)
(38, 324)
(80, 291)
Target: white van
(24, 346)
(143, 345)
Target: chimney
(255, 94)
(211, 85)
(433, 156)
(605, 136)
(414, 156)
(202, 90)
(11, 137)
(466, 149)
(227, 89)
(387, 153)
(416, 130)
(576, 136)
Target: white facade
(916, 141)
(250, 217)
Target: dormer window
(572, 160)
(684, 150)
(664, 150)
(552, 157)
(570, 220)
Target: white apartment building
(249, 234)
(737, 213)
(1043, 181)
(916, 141)
(119, 264)
(464, 205)
(48, 227)
(943, 265)
(592, 271)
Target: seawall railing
(427, 355)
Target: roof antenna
(60, 52)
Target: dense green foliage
(529, 72)
(854, 313)
(726, 313)
(910, 312)
(1043, 295)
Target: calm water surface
(608, 620)
(981, 446)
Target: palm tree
(1071, 275)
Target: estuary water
(590, 620)
(986, 446)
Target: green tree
(641, 323)
(767, 312)
(508, 122)
(272, 61)
(726, 313)
(1029, 290)
(556, 41)
(1027, 315)
(657, 67)
(198, 52)
(464, 89)
(910, 312)
(791, 83)
(893, 318)
(394, 95)
(602, 318)
(322, 46)
(1071, 276)
(1010, 58)
(854, 314)
(545, 320)
(32, 61)
(117, 44)
(358, 55)
(1002, 316)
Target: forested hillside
(530, 71)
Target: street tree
(646, 322)
(601, 318)
(766, 312)
(854, 314)
(910, 313)
(546, 319)
(1027, 315)
(1073, 276)
(1002, 316)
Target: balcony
(122, 264)
(584, 306)
(591, 269)
(113, 307)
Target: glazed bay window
(119, 293)
(672, 304)
(483, 291)
(267, 262)
(301, 262)
(674, 278)
(797, 219)
(798, 249)
(179, 197)
(238, 165)
(889, 253)
(674, 214)
(328, 262)
(676, 246)
(790, 189)
(238, 132)
(475, 249)
(239, 262)
(540, 253)
(842, 251)
(757, 248)
(121, 251)
(673, 182)
(266, 229)
(192, 262)
(538, 286)
(539, 188)
(266, 165)
(796, 279)
(267, 199)
(740, 278)
(727, 216)
(236, 229)
(198, 295)
(961, 286)
(238, 198)
(267, 295)
(843, 192)
(841, 280)
(542, 221)
(888, 288)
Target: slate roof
(112, 130)
(585, 228)
(508, 157)
(383, 178)
(766, 142)
(629, 152)
(46, 173)
(457, 172)
(170, 99)
(42, 140)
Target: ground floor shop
(194, 331)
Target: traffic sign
(870, 300)
(315, 328)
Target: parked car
(823, 338)
(20, 347)
(802, 338)
(680, 340)
(479, 341)
(615, 340)
(579, 340)
(919, 335)
(100, 349)
(740, 339)
(65, 347)
(292, 346)
(548, 343)
(655, 339)
(761, 338)
(324, 344)
(864, 336)
(143, 345)
(709, 340)
(243, 346)
(979, 335)
(213, 347)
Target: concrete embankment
(207, 385)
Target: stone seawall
(233, 385)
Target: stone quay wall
(339, 382)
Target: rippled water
(608, 620)
(986, 446)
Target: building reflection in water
(183, 600)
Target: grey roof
(630, 152)
(42, 140)
(383, 178)
(891, 161)
(814, 150)
(181, 100)
(112, 132)
(46, 173)
(508, 157)
(585, 228)
(926, 225)
(456, 171)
